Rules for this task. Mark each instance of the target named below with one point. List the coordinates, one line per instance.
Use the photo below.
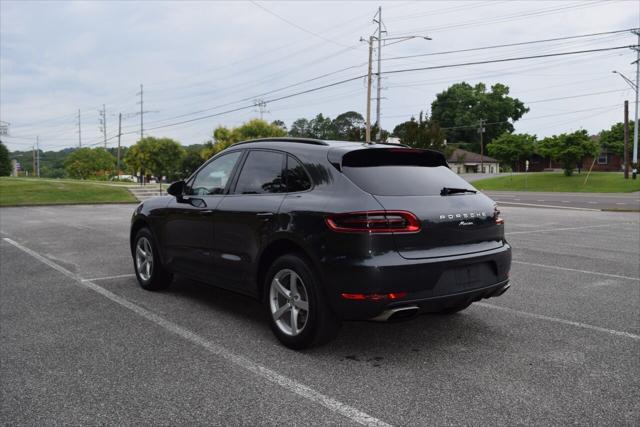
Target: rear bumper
(430, 284)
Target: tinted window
(261, 173)
(400, 172)
(296, 177)
(213, 178)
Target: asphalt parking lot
(81, 343)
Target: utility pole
(261, 107)
(626, 140)
(635, 122)
(37, 156)
(377, 36)
(33, 167)
(103, 123)
(368, 132)
(119, 136)
(141, 111)
(79, 130)
(379, 21)
(481, 131)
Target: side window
(212, 179)
(261, 173)
(296, 177)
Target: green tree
(5, 162)
(301, 128)
(88, 162)
(349, 126)
(322, 127)
(280, 124)
(462, 106)
(192, 160)
(569, 149)
(612, 139)
(157, 156)
(510, 148)
(224, 137)
(421, 133)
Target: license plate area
(466, 277)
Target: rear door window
(261, 173)
(400, 172)
(296, 178)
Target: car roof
(312, 141)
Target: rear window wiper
(448, 190)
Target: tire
(455, 308)
(151, 274)
(312, 327)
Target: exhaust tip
(397, 313)
(502, 290)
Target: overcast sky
(202, 58)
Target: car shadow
(427, 333)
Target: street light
(626, 79)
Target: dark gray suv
(325, 231)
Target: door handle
(207, 211)
(265, 215)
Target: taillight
(374, 222)
(496, 215)
(374, 297)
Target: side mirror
(177, 189)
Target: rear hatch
(455, 218)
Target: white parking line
(620, 203)
(596, 273)
(507, 203)
(119, 276)
(287, 383)
(617, 224)
(558, 320)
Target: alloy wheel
(289, 302)
(144, 258)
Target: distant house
(463, 161)
(605, 162)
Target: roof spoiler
(389, 155)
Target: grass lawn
(598, 182)
(33, 191)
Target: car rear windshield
(400, 172)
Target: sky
(198, 61)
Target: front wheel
(298, 312)
(150, 272)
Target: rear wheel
(298, 312)
(150, 272)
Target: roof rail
(285, 139)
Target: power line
(249, 98)
(447, 52)
(249, 106)
(493, 61)
(508, 18)
(293, 24)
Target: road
(83, 344)
(589, 201)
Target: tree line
(455, 120)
